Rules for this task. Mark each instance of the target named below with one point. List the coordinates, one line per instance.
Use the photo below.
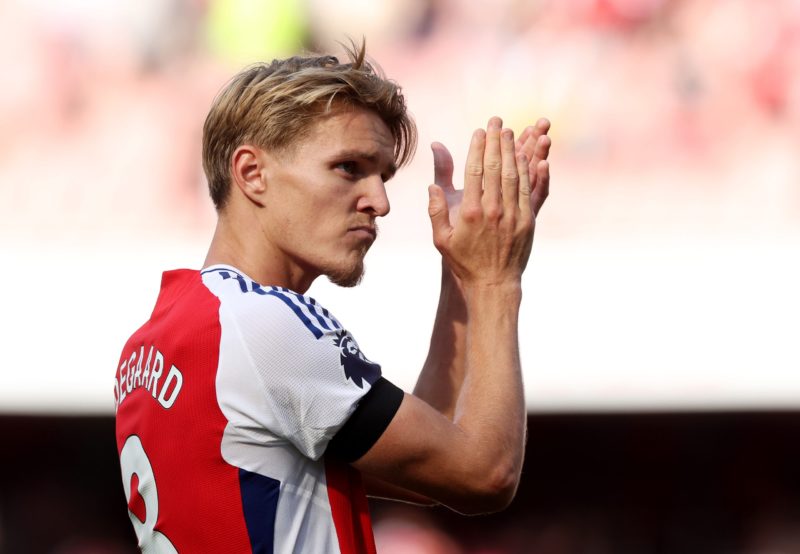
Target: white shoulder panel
(288, 371)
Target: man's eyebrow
(372, 157)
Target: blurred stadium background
(661, 324)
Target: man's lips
(365, 231)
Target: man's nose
(375, 199)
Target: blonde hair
(274, 105)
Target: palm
(530, 143)
(454, 198)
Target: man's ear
(247, 170)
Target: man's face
(324, 195)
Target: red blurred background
(660, 324)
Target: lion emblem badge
(356, 366)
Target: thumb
(439, 213)
(442, 166)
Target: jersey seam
(253, 369)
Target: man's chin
(347, 278)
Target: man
(247, 415)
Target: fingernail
(508, 134)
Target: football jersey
(238, 408)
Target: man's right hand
(490, 239)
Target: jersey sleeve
(310, 371)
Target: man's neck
(255, 258)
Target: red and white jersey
(239, 407)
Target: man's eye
(348, 167)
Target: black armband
(372, 416)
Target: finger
(510, 174)
(542, 190)
(525, 190)
(492, 164)
(442, 166)
(542, 126)
(473, 171)
(524, 137)
(542, 149)
(439, 214)
(532, 139)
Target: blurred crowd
(667, 114)
(679, 112)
